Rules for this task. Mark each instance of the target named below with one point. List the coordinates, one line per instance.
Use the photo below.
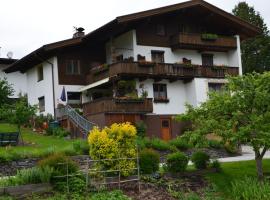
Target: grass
(234, 171)
(36, 145)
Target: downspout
(52, 66)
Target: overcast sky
(25, 25)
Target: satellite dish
(10, 54)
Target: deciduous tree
(238, 114)
(6, 90)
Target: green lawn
(235, 171)
(36, 145)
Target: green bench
(11, 138)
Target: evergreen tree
(255, 51)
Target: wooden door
(166, 129)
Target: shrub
(59, 162)
(35, 175)
(181, 143)
(141, 129)
(176, 162)
(149, 161)
(143, 143)
(114, 195)
(215, 144)
(250, 189)
(57, 132)
(231, 148)
(215, 164)
(28, 176)
(76, 185)
(116, 141)
(200, 159)
(81, 146)
(159, 144)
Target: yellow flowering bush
(116, 141)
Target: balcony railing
(160, 70)
(195, 41)
(112, 105)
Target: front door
(166, 129)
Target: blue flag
(63, 95)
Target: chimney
(79, 32)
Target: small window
(40, 73)
(74, 97)
(157, 56)
(160, 91)
(215, 86)
(161, 30)
(41, 104)
(119, 58)
(73, 67)
(165, 124)
(207, 60)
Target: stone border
(24, 190)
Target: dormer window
(161, 30)
(73, 67)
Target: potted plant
(209, 36)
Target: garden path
(247, 154)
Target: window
(161, 30)
(73, 67)
(215, 86)
(160, 92)
(119, 58)
(207, 60)
(40, 73)
(157, 56)
(41, 104)
(74, 98)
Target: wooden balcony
(112, 105)
(196, 42)
(160, 71)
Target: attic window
(73, 67)
(160, 30)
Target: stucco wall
(44, 88)
(120, 45)
(16, 79)
(178, 93)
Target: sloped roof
(123, 23)
(244, 28)
(40, 54)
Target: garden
(120, 162)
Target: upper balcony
(159, 71)
(204, 42)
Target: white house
(140, 67)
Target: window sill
(161, 100)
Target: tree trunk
(20, 134)
(259, 167)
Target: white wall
(41, 88)
(120, 45)
(126, 44)
(45, 87)
(16, 79)
(175, 92)
(179, 93)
